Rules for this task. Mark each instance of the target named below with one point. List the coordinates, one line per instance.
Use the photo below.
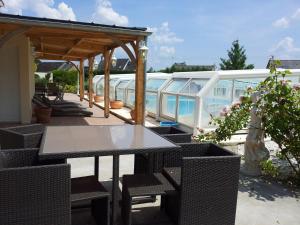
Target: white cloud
(286, 48)
(163, 35)
(166, 51)
(296, 14)
(163, 44)
(107, 15)
(41, 8)
(282, 23)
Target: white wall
(9, 85)
(16, 80)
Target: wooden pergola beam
(72, 48)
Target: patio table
(62, 142)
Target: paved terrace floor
(260, 202)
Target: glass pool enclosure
(188, 98)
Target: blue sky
(197, 32)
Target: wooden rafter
(72, 48)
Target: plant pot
(98, 98)
(117, 104)
(132, 114)
(43, 114)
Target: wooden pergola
(77, 41)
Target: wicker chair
(32, 194)
(142, 162)
(207, 185)
(28, 136)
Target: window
(132, 85)
(176, 85)
(220, 91)
(194, 86)
(151, 102)
(186, 110)
(100, 87)
(130, 97)
(154, 84)
(120, 90)
(168, 105)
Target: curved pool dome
(188, 98)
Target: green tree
(65, 77)
(236, 58)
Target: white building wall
(16, 80)
(9, 85)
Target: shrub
(70, 89)
(279, 108)
(65, 77)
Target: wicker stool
(88, 191)
(140, 185)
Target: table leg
(115, 188)
(96, 169)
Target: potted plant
(116, 104)
(43, 114)
(98, 98)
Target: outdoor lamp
(114, 61)
(143, 49)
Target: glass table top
(72, 139)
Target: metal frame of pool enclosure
(188, 98)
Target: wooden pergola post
(106, 83)
(81, 80)
(91, 64)
(140, 78)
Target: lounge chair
(64, 111)
(52, 103)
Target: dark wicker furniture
(207, 186)
(144, 162)
(140, 185)
(32, 194)
(27, 136)
(173, 134)
(88, 191)
(87, 141)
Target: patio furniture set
(62, 107)
(197, 182)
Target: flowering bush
(279, 108)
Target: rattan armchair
(32, 194)
(27, 136)
(206, 183)
(142, 162)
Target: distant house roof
(46, 67)
(183, 65)
(286, 64)
(122, 64)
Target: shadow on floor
(265, 190)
